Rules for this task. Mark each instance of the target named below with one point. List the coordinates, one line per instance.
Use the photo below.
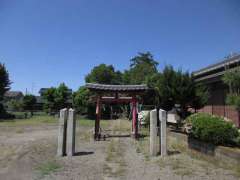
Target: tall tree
(28, 102)
(62, 95)
(104, 74)
(4, 85)
(15, 105)
(142, 67)
(49, 100)
(201, 96)
(81, 99)
(178, 88)
(56, 98)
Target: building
(16, 95)
(211, 76)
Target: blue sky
(45, 42)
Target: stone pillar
(71, 129)
(61, 149)
(163, 132)
(153, 133)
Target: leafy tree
(81, 99)
(49, 100)
(15, 105)
(104, 74)
(142, 67)
(4, 86)
(56, 98)
(178, 88)
(164, 85)
(61, 96)
(201, 96)
(232, 79)
(28, 102)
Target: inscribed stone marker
(71, 128)
(61, 149)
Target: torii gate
(131, 90)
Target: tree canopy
(81, 99)
(56, 98)
(4, 86)
(142, 67)
(178, 88)
(28, 102)
(4, 81)
(104, 74)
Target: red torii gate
(131, 90)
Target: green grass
(46, 119)
(35, 120)
(122, 125)
(48, 168)
(91, 122)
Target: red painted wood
(116, 100)
(134, 117)
(98, 116)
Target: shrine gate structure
(132, 91)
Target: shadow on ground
(83, 153)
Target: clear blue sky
(45, 42)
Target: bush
(212, 129)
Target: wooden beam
(116, 100)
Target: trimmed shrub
(212, 129)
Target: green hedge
(212, 129)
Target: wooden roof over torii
(117, 88)
(131, 90)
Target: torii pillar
(134, 118)
(97, 121)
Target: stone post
(61, 149)
(153, 133)
(163, 132)
(71, 128)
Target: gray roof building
(13, 95)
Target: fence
(224, 111)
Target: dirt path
(30, 154)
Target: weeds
(48, 168)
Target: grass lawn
(91, 122)
(35, 120)
(41, 119)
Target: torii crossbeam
(131, 90)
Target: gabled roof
(13, 94)
(116, 88)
